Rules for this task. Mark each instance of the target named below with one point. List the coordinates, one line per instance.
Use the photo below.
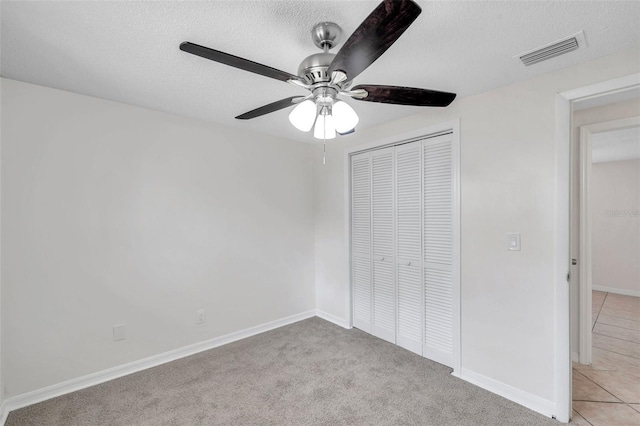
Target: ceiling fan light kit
(345, 117)
(303, 116)
(325, 128)
(328, 76)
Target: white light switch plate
(513, 241)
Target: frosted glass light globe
(303, 115)
(345, 118)
(325, 128)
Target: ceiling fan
(328, 76)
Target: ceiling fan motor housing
(313, 69)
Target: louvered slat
(361, 240)
(438, 249)
(438, 202)
(361, 203)
(382, 193)
(361, 267)
(409, 246)
(382, 208)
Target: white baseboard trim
(332, 318)
(575, 357)
(616, 290)
(4, 413)
(533, 402)
(93, 379)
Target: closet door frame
(452, 127)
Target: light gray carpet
(308, 373)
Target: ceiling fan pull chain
(324, 153)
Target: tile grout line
(577, 371)
(597, 384)
(585, 419)
(613, 337)
(619, 326)
(633, 310)
(599, 310)
(609, 314)
(610, 308)
(618, 353)
(613, 352)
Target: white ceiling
(128, 51)
(616, 145)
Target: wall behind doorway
(615, 215)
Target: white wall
(615, 187)
(117, 214)
(615, 111)
(507, 185)
(1, 322)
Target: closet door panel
(410, 308)
(361, 240)
(438, 344)
(383, 233)
(438, 249)
(384, 312)
(361, 278)
(409, 246)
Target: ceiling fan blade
(237, 62)
(272, 107)
(403, 95)
(374, 36)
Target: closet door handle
(408, 263)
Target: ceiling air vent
(556, 48)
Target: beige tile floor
(608, 391)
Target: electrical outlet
(119, 332)
(201, 316)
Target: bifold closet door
(383, 241)
(438, 248)
(405, 248)
(361, 240)
(409, 246)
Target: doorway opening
(604, 210)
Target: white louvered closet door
(409, 246)
(361, 240)
(383, 239)
(438, 243)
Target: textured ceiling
(128, 51)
